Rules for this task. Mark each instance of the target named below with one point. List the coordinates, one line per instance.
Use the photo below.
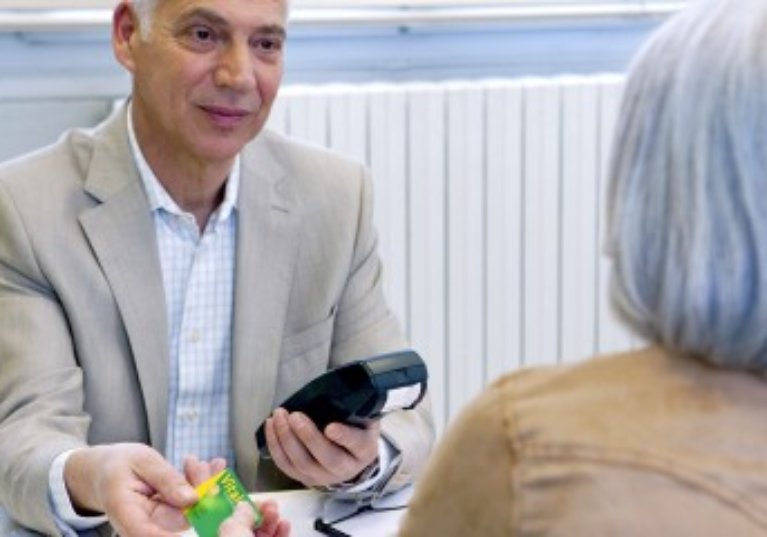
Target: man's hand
(197, 471)
(240, 524)
(138, 490)
(302, 452)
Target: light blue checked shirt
(198, 278)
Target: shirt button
(189, 414)
(194, 336)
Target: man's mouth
(225, 116)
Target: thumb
(169, 483)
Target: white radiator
(489, 207)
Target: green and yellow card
(219, 497)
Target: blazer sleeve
(365, 326)
(41, 391)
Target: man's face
(206, 75)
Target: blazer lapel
(267, 246)
(121, 233)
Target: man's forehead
(243, 6)
(254, 3)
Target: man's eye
(268, 45)
(203, 34)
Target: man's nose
(236, 68)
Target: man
(169, 277)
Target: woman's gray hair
(687, 211)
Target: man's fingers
(132, 518)
(302, 452)
(158, 473)
(292, 445)
(198, 471)
(320, 448)
(362, 444)
(277, 453)
(217, 465)
(336, 462)
(291, 455)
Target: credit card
(219, 497)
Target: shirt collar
(157, 194)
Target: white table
(300, 507)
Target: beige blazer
(646, 443)
(83, 338)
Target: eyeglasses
(327, 528)
(338, 509)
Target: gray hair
(144, 10)
(688, 194)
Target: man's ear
(125, 32)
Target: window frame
(65, 5)
(87, 15)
